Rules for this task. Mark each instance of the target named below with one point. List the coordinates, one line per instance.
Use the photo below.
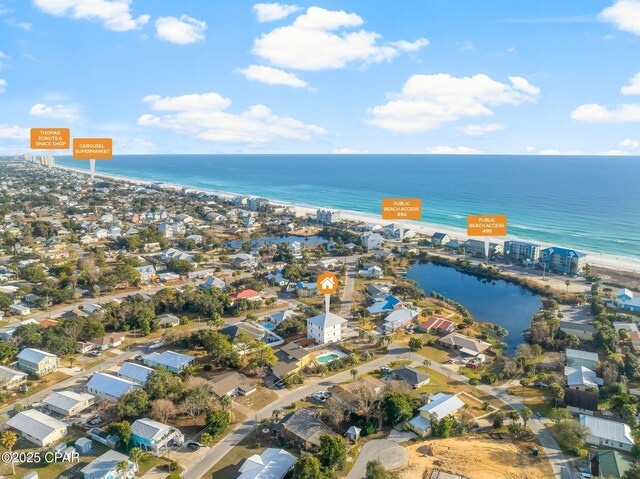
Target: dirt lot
(476, 457)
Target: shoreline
(604, 260)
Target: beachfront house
(37, 427)
(522, 252)
(626, 301)
(439, 406)
(326, 328)
(35, 361)
(607, 433)
(440, 239)
(153, 436)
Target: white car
(156, 345)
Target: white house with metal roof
(607, 433)
(134, 372)
(169, 360)
(107, 466)
(154, 436)
(110, 387)
(398, 319)
(38, 428)
(581, 378)
(439, 406)
(325, 328)
(273, 463)
(11, 378)
(68, 403)
(35, 361)
(577, 357)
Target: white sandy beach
(621, 263)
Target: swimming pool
(268, 326)
(327, 358)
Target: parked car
(157, 344)
(385, 370)
(138, 357)
(194, 446)
(540, 384)
(95, 354)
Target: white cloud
(466, 46)
(624, 15)
(62, 112)
(114, 14)
(4, 58)
(181, 31)
(453, 150)
(203, 116)
(13, 132)
(269, 12)
(594, 113)
(3, 86)
(427, 102)
(349, 151)
(478, 130)
(613, 152)
(630, 144)
(318, 40)
(633, 88)
(4, 10)
(272, 76)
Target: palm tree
(567, 282)
(136, 454)
(8, 440)
(122, 465)
(426, 363)
(71, 361)
(276, 414)
(354, 373)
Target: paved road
(286, 397)
(390, 454)
(349, 285)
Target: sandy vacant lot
(476, 457)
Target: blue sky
(417, 76)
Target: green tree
(415, 344)
(163, 384)
(526, 414)
(333, 452)
(375, 470)
(8, 439)
(122, 430)
(217, 422)
(559, 414)
(133, 404)
(309, 467)
(354, 374)
(397, 407)
(571, 435)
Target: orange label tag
(486, 225)
(50, 138)
(401, 208)
(327, 283)
(92, 148)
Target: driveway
(390, 454)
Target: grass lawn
(534, 398)
(259, 399)
(149, 461)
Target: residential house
(147, 272)
(626, 301)
(328, 217)
(563, 260)
(253, 330)
(153, 436)
(173, 253)
(576, 358)
(68, 403)
(610, 464)
(91, 308)
(271, 464)
(243, 261)
(326, 328)
(435, 325)
(281, 316)
(607, 433)
(478, 247)
(439, 406)
(580, 402)
(107, 386)
(291, 359)
(11, 378)
(108, 466)
(464, 344)
(584, 331)
(416, 379)
(303, 429)
(167, 320)
(134, 372)
(108, 341)
(37, 427)
(233, 384)
(440, 239)
(213, 282)
(398, 319)
(19, 309)
(35, 361)
(581, 378)
(372, 240)
(169, 360)
(306, 290)
(373, 271)
(248, 295)
(388, 304)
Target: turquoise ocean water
(588, 203)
